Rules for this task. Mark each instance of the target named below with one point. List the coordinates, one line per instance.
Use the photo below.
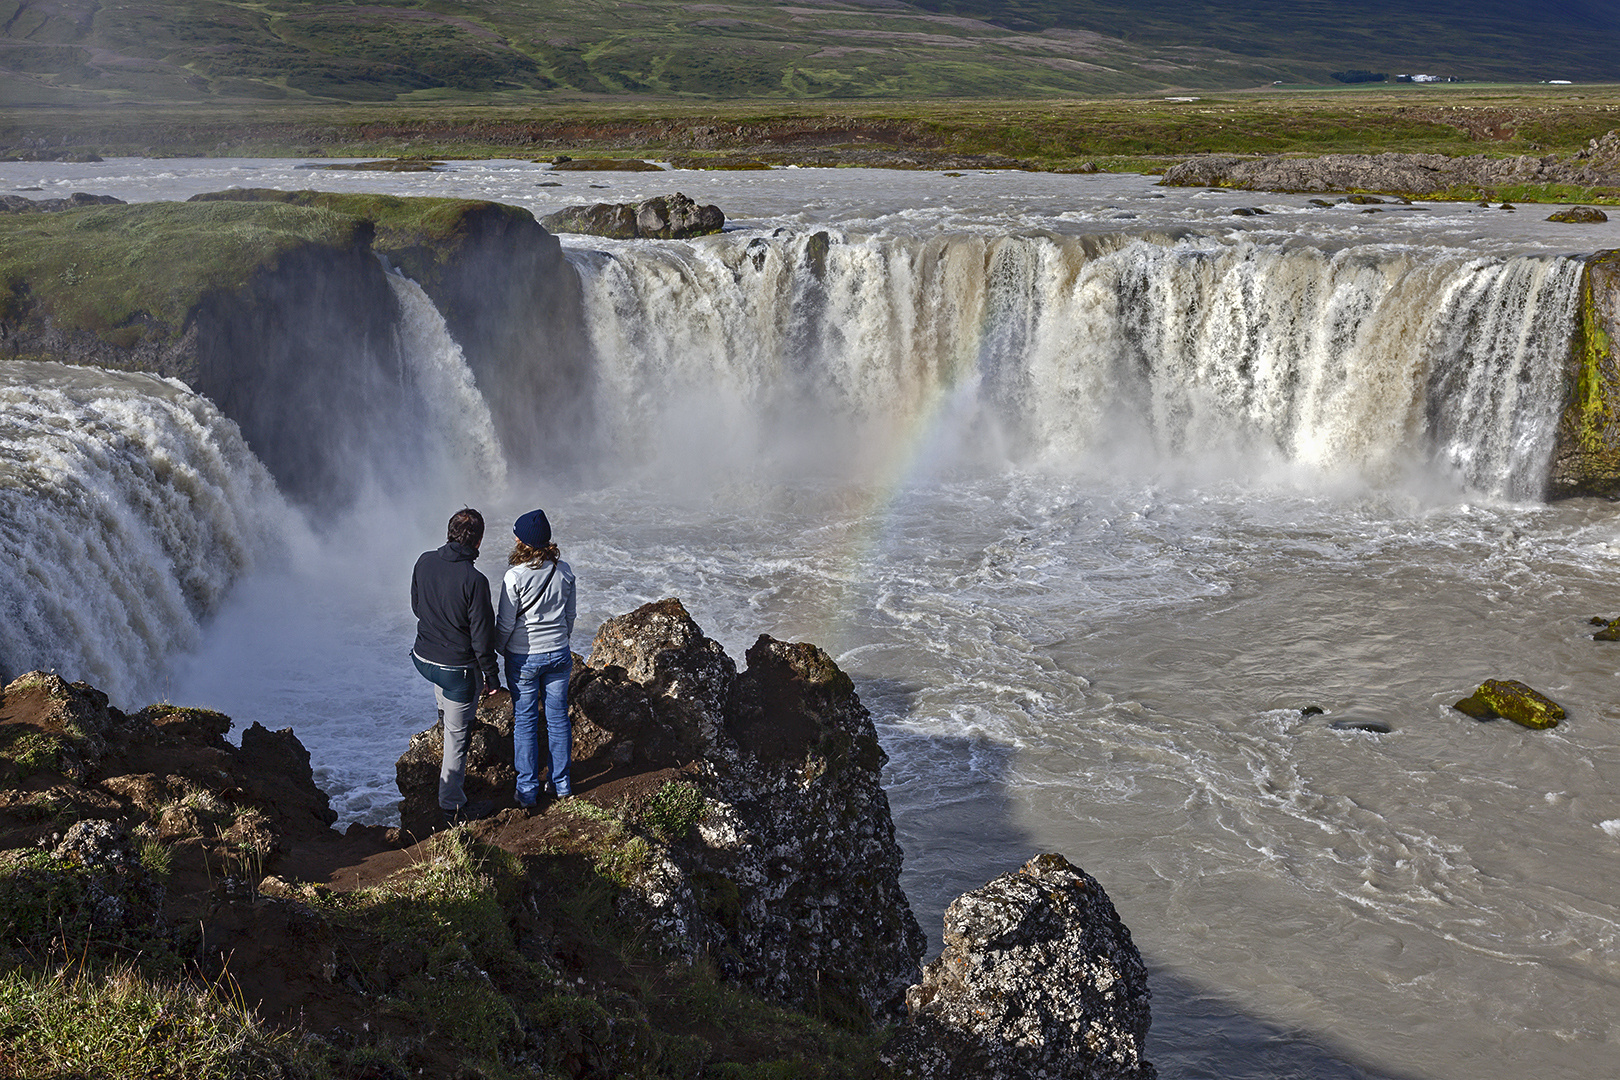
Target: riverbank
(1145, 134)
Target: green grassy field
(529, 51)
(1120, 133)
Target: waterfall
(128, 507)
(1372, 361)
(461, 431)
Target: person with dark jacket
(455, 648)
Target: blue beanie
(533, 529)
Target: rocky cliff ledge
(276, 306)
(720, 899)
(1586, 457)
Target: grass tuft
(80, 1022)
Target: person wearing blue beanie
(533, 625)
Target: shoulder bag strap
(518, 618)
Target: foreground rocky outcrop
(729, 847)
(1418, 175)
(790, 882)
(114, 827)
(789, 877)
(1038, 978)
(664, 217)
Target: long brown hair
(523, 554)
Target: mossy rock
(1580, 215)
(1586, 458)
(1477, 707)
(1513, 700)
(616, 221)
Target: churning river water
(1093, 487)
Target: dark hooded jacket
(455, 624)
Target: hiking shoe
(472, 811)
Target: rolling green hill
(63, 52)
(1486, 39)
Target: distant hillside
(1484, 39)
(513, 51)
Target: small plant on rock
(674, 809)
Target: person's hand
(491, 691)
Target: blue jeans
(530, 676)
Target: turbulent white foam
(128, 507)
(1369, 362)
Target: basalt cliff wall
(275, 305)
(1586, 457)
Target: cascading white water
(1370, 362)
(460, 427)
(128, 507)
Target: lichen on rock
(1514, 701)
(1038, 978)
(1579, 215)
(1586, 454)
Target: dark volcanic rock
(791, 883)
(673, 217)
(17, 204)
(1038, 978)
(665, 217)
(616, 221)
(661, 649)
(794, 884)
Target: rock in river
(1039, 978)
(1514, 700)
(665, 217)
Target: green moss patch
(420, 235)
(674, 810)
(1513, 700)
(1588, 456)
